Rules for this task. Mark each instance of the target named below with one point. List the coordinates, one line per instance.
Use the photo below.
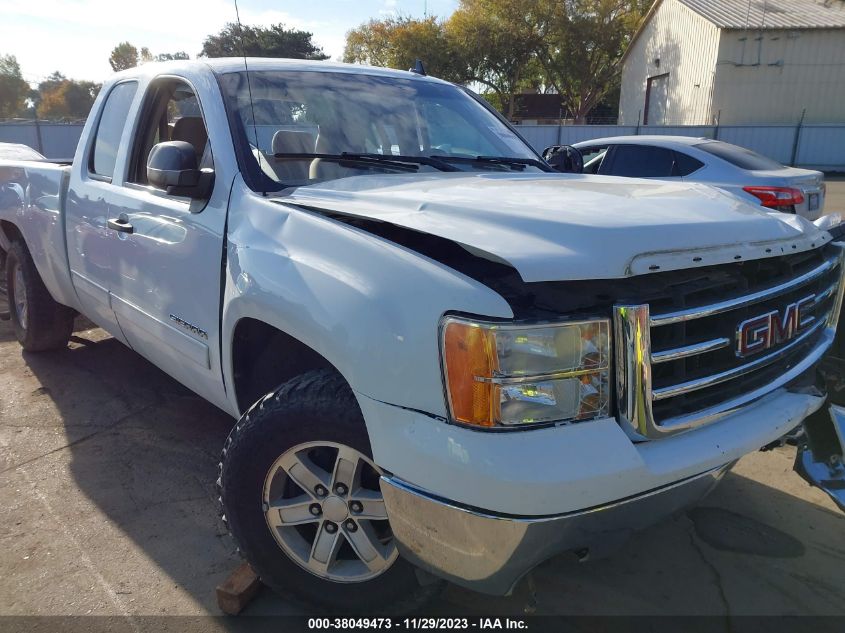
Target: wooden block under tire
(238, 591)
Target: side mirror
(172, 166)
(564, 158)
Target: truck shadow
(145, 450)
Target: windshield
(739, 156)
(305, 126)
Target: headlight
(515, 375)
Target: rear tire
(313, 412)
(40, 323)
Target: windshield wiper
(509, 161)
(401, 163)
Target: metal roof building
(736, 61)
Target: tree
(165, 57)
(497, 41)
(52, 81)
(63, 98)
(124, 56)
(44, 87)
(13, 89)
(258, 41)
(582, 42)
(571, 46)
(397, 42)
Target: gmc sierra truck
(447, 360)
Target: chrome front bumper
(490, 553)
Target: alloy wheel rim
(19, 294)
(324, 508)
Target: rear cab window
(739, 156)
(113, 119)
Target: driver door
(168, 262)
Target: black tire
(48, 323)
(315, 406)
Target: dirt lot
(107, 506)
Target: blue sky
(76, 36)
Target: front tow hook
(821, 454)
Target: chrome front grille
(678, 361)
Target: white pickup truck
(447, 360)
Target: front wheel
(301, 497)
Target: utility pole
(797, 139)
(38, 140)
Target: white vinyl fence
(818, 146)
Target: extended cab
(446, 360)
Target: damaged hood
(567, 227)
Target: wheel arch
(9, 232)
(46, 245)
(264, 356)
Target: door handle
(121, 225)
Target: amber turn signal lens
(469, 354)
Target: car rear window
(686, 164)
(739, 156)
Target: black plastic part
(199, 191)
(172, 163)
(418, 68)
(821, 436)
(565, 159)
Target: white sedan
(749, 175)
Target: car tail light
(775, 197)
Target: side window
(686, 164)
(593, 157)
(642, 161)
(110, 128)
(171, 113)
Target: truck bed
(33, 195)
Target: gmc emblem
(773, 328)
